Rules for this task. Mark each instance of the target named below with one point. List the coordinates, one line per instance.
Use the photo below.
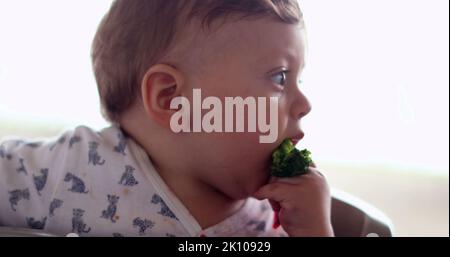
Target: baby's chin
(252, 185)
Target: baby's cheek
(283, 119)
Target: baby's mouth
(295, 139)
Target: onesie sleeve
(29, 175)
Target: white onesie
(104, 184)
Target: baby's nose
(301, 106)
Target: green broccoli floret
(288, 161)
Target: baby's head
(146, 53)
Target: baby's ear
(161, 84)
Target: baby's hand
(303, 202)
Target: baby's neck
(206, 204)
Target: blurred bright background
(377, 75)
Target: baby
(140, 177)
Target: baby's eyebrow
(287, 58)
(297, 59)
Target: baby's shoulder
(69, 144)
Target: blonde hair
(135, 34)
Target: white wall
(379, 82)
(45, 69)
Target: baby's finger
(316, 171)
(298, 179)
(273, 191)
(275, 206)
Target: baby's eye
(279, 78)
